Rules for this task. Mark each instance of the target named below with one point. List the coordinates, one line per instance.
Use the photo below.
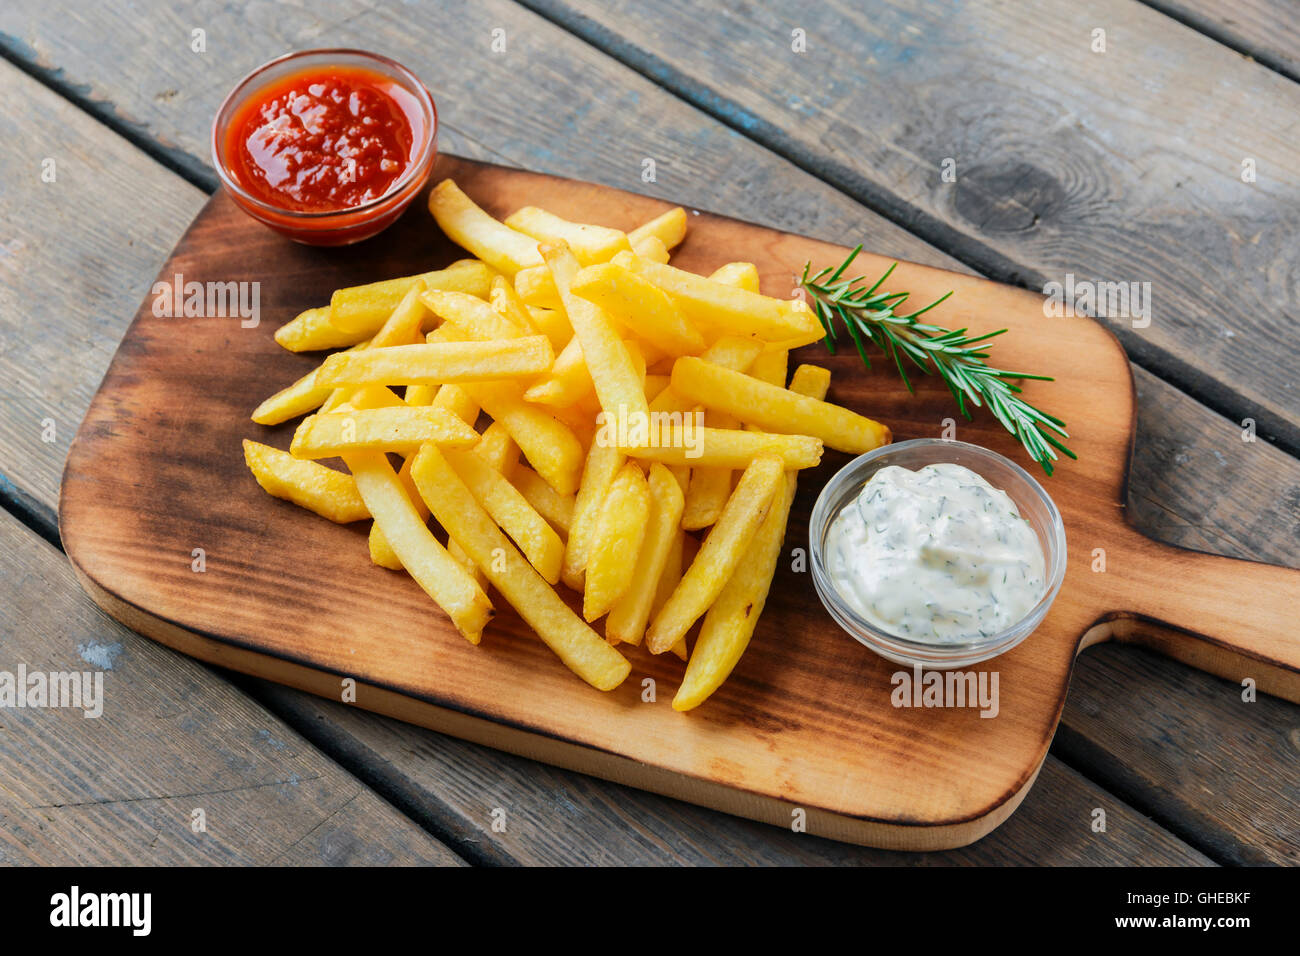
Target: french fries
(627, 620)
(616, 541)
(402, 429)
(311, 331)
(570, 406)
(641, 307)
(554, 507)
(619, 388)
(362, 309)
(454, 507)
(465, 224)
(590, 244)
(439, 362)
(729, 623)
(774, 408)
(725, 308)
(308, 484)
(448, 583)
(511, 510)
(695, 446)
(669, 228)
(602, 463)
(720, 554)
(299, 398)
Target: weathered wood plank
(1124, 165)
(1214, 766)
(552, 816)
(1264, 30)
(173, 738)
(77, 256)
(511, 137)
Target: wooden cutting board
(804, 730)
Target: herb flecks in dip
(936, 555)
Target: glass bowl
(1032, 501)
(341, 226)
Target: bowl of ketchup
(327, 147)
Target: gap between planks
(976, 255)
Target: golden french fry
(651, 248)
(471, 228)
(381, 552)
(591, 244)
(697, 446)
(311, 331)
(299, 398)
(721, 552)
(402, 327)
(627, 619)
(455, 400)
(729, 623)
(402, 429)
(440, 362)
(449, 584)
(308, 484)
(654, 384)
(506, 301)
(743, 275)
(709, 488)
(615, 541)
(639, 306)
(724, 309)
(554, 507)
(569, 379)
(776, 409)
(499, 451)
(672, 573)
(361, 310)
(455, 508)
(552, 323)
(811, 380)
(602, 463)
(619, 388)
(476, 318)
(771, 367)
(512, 512)
(669, 228)
(537, 288)
(550, 446)
(737, 354)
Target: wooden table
(1124, 164)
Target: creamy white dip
(936, 555)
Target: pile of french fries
(639, 442)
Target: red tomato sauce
(323, 140)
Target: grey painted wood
(172, 738)
(509, 124)
(1118, 166)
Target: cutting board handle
(1238, 619)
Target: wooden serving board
(804, 724)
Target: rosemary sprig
(870, 315)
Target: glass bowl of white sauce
(936, 553)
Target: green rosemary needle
(870, 315)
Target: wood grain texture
(554, 816)
(1117, 166)
(69, 271)
(127, 543)
(173, 737)
(1117, 705)
(91, 48)
(1264, 30)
